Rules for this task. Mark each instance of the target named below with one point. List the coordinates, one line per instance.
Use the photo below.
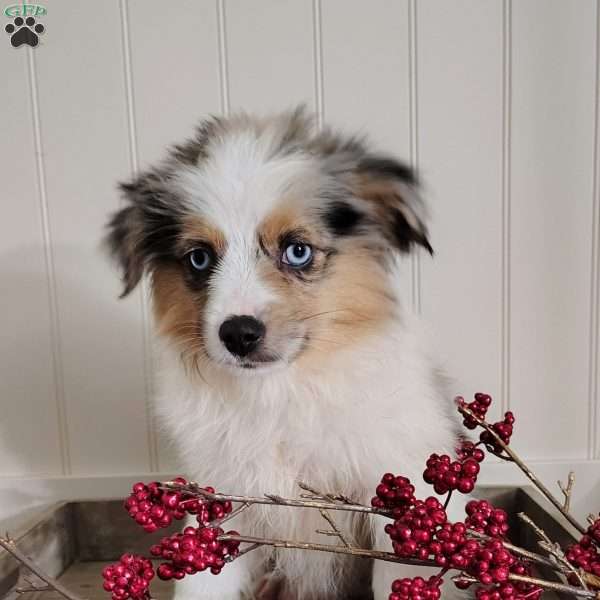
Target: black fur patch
(145, 232)
(342, 218)
(382, 166)
(405, 235)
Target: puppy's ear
(392, 190)
(124, 240)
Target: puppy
(272, 253)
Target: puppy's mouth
(255, 365)
(248, 363)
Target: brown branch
(543, 583)
(390, 557)
(526, 470)
(316, 494)
(567, 490)
(553, 585)
(12, 549)
(335, 531)
(532, 556)
(194, 489)
(358, 552)
(33, 588)
(232, 514)
(554, 550)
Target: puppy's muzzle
(241, 335)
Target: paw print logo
(24, 31)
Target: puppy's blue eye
(297, 255)
(200, 259)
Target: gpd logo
(24, 29)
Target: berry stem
(272, 499)
(390, 557)
(447, 499)
(12, 549)
(553, 585)
(359, 552)
(526, 470)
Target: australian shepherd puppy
(272, 253)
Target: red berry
(129, 578)
(153, 508)
(395, 493)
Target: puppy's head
(266, 241)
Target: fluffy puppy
(272, 254)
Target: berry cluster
(509, 591)
(492, 563)
(153, 507)
(416, 588)
(414, 530)
(483, 517)
(594, 531)
(503, 429)
(479, 406)
(129, 578)
(585, 554)
(394, 492)
(468, 449)
(193, 551)
(447, 475)
(451, 547)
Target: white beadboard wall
(495, 101)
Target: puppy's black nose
(241, 335)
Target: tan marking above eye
(276, 225)
(195, 231)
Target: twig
(243, 551)
(552, 585)
(554, 550)
(560, 587)
(528, 472)
(358, 552)
(12, 549)
(317, 494)
(33, 588)
(273, 499)
(335, 530)
(390, 557)
(232, 514)
(532, 556)
(568, 490)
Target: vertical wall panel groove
(223, 60)
(552, 140)
(506, 258)
(61, 411)
(595, 264)
(270, 52)
(318, 62)
(366, 80)
(143, 293)
(85, 133)
(414, 136)
(460, 155)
